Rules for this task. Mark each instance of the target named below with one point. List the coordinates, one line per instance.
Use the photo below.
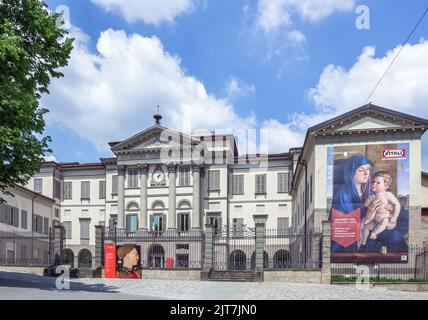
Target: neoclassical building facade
(161, 179)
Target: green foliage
(33, 46)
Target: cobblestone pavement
(23, 286)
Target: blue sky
(282, 64)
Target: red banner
(346, 227)
(110, 261)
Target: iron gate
(234, 248)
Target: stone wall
(32, 270)
(291, 276)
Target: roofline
(367, 107)
(36, 194)
(425, 174)
(345, 115)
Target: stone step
(232, 276)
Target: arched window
(132, 206)
(69, 257)
(85, 258)
(158, 205)
(183, 204)
(237, 260)
(282, 259)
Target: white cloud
(405, 87)
(113, 94)
(236, 87)
(50, 158)
(149, 11)
(273, 15)
(282, 136)
(296, 38)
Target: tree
(33, 47)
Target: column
(326, 246)
(121, 197)
(196, 216)
(172, 214)
(260, 224)
(144, 169)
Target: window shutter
(102, 189)
(179, 222)
(2, 213)
(115, 184)
(163, 222)
(151, 223)
(16, 217)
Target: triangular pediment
(370, 118)
(369, 122)
(153, 138)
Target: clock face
(158, 175)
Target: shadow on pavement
(30, 281)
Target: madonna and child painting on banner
(368, 202)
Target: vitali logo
(393, 153)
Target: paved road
(24, 286)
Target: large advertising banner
(109, 261)
(368, 201)
(128, 261)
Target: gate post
(260, 223)
(99, 246)
(326, 247)
(58, 245)
(208, 252)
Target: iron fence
(380, 266)
(288, 249)
(162, 250)
(26, 249)
(234, 248)
(421, 272)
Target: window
(14, 216)
(282, 182)
(133, 178)
(24, 252)
(56, 213)
(57, 189)
(184, 176)
(238, 184)
(67, 190)
(115, 184)
(131, 222)
(214, 180)
(38, 185)
(3, 209)
(67, 229)
(183, 222)
(38, 223)
(157, 223)
(182, 261)
(215, 221)
(238, 227)
(261, 183)
(84, 229)
(24, 219)
(310, 189)
(282, 226)
(102, 190)
(45, 225)
(85, 190)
